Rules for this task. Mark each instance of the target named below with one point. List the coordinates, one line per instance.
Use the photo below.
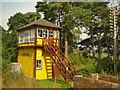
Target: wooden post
(115, 43)
(66, 46)
(54, 82)
(75, 70)
(67, 77)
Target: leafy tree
(9, 37)
(19, 20)
(60, 12)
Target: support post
(66, 77)
(115, 43)
(54, 82)
(66, 46)
(75, 70)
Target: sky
(10, 8)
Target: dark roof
(41, 22)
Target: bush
(84, 65)
(14, 79)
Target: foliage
(62, 14)
(9, 45)
(10, 36)
(14, 79)
(18, 20)
(84, 65)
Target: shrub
(84, 65)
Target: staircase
(48, 67)
(60, 60)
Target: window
(55, 34)
(21, 37)
(44, 33)
(50, 33)
(32, 36)
(38, 64)
(26, 36)
(29, 35)
(40, 33)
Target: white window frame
(56, 34)
(38, 64)
(29, 34)
(46, 32)
(20, 37)
(32, 35)
(38, 33)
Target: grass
(49, 83)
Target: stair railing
(66, 61)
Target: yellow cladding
(55, 43)
(45, 58)
(39, 41)
(27, 44)
(26, 58)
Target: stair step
(48, 61)
(49, 73)
(49, 69)
(47, 58)
(48, 64)
(49, 77)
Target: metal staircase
(60, 60)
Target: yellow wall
(27, 61)
(42, 73)
(26, 44)
(40, 41)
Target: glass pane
(50, 33)
(44, 33)
(38, 64)
(39, 33)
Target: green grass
(49, 83)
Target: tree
(59, 12)
(9, 37)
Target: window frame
(32, 35)
(52, 33)
(27, 36)
(37, 63)
(46, 33)
(21, 37)
(38, 36)
(57, 34)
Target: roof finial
(41, 15)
